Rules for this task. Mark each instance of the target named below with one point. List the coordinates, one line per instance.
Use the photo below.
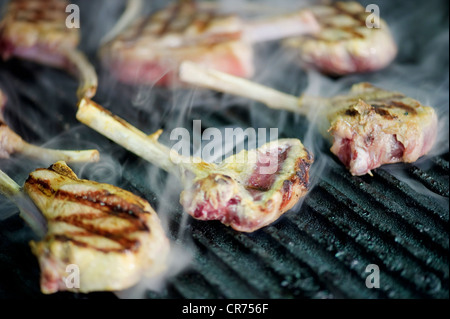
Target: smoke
(420, 71)
(108, 170)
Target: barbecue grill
(396, 219)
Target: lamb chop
(149, 50)
(246, 191)
(11, 143)
(369, 126)
(113, 236)
(36, 30)
(345, 44)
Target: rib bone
(223, 82)
(11, 143)
(84, 71)
(279, 27)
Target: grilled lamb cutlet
(250, 196)
(36, 30)
(246, 191)
(150, 49)
(11, 143)
(371, 127)
(113, 236)
(368, 127)
(344, 44)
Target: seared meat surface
(248, 195)
(371, 127)
(345, 44)
(113, 236)
(36, 30)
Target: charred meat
(371, 127)
(113, 236)
(345, 44)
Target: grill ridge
(434, 185)
(394, 227)
(297, 276)
(425, 204)
(379, 246)
(405, 216)
(354, 254)
(333, 274)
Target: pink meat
(244, 204)
(370, 135)
(233, 58)
(263, 182)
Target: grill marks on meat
(36, 30)
(372, 127)
(35, 11)
(113, 236)
(148, 50)
(345, 44)
(182, 24)
(250, 196)
(106, 205)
